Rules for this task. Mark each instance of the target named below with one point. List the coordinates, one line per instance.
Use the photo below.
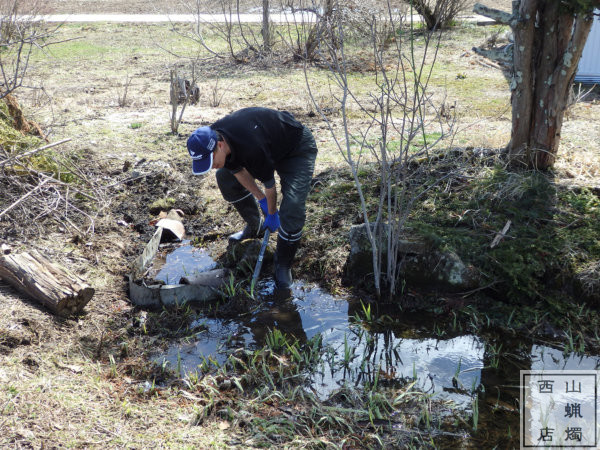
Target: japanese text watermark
(559, 408)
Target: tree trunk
(548, 43)
(522, 81)
(423, 8)
(318, 31)
(60, 291)
(266, 26)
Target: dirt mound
(16, 131)
(19, 121)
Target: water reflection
(353, 356)
(500, 379)
(174, 261)
(548, 358)
(456, 368)
(213, 339)
(451, 368)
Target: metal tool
(259, 261)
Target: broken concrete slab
(206, 287)
(172, 229)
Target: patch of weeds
(235, 300)
(331, 210)
(549, 255)
(275, 430)
(76, 49)
(370, 318)
(170, 322)
(276, 408)
(161, 204)
(276, 341)
(579, 226)
(57, 166)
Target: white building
(589, 64)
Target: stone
(422, 265)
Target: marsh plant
(279, 374)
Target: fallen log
(62, 292)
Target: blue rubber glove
(264, 206)
(272, 222)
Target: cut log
(62, 292)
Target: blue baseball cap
(201, 144)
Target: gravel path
(170, 6)
(158, 18)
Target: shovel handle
(261, 254)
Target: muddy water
(353, 356)
(451, 368)
(174, 261)
(456, 368)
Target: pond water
(452, 368)
(441, 366)
(174, 261)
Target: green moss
(16, 142)
(162, 204)
(551, 233)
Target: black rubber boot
(284, 256)
(248, 209)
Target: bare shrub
(122, 99)
(182, 92)
(578, 94)
(216, 93)
(313, 21)
(439, 13)
(243, 40)
(389, 126)
(20, 32)
(306, 25)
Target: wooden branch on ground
(490, 65)
(32, 152)
(61, 291)
(499, 236)
(24, 197)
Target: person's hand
(272, 222)
(264, 206)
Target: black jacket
(258, 139)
